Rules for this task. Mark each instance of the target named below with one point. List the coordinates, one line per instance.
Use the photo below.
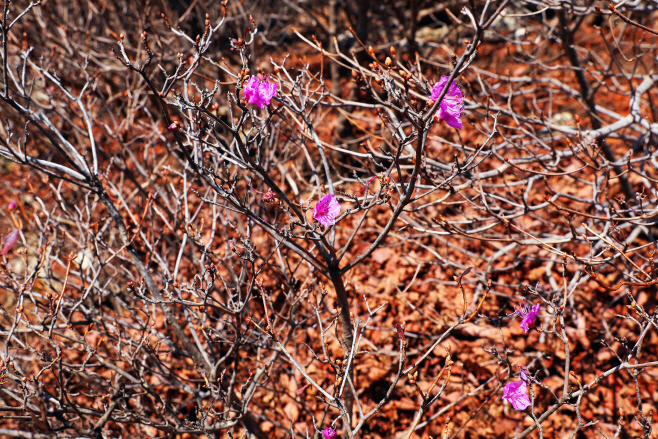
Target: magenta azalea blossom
(527, 315)
(450, 108)
(329, 433)
(259, 92)
(327, 210)
(517, 394)
(9, 241)
(12, 205)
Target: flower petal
(9, 241)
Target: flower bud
(388, 62)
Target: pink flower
(527, 315)
(517, 394)
(450, 108)
(12, 205)
(329, 433)
(259, 92)
(327, 210)
(9, 241)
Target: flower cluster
(259, 92)
(329, 433)
(516, 393)
(527, 315)
(327, 210)
(450, 108)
